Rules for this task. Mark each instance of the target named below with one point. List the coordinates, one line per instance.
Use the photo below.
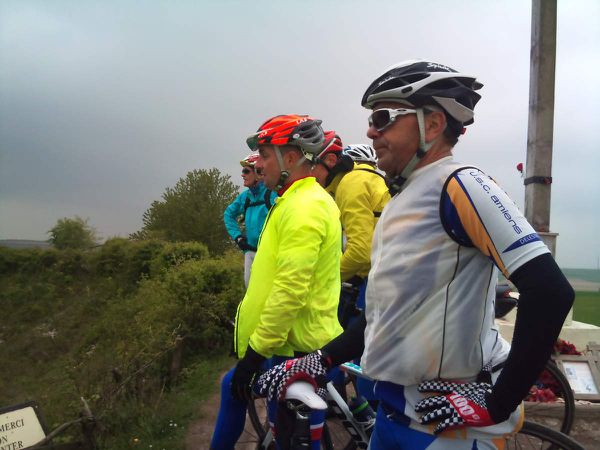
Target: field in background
(592, 275)
(587, 308)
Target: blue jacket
(251, 204)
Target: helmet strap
(283, 173)
(396, 183)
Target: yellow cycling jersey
(360, 195)
(292, 297)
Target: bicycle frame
(530, 431)
(335, 401)
(341, 410)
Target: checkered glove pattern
(274, 383)
(463, 405)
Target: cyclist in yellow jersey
(361, 193)
(290, 306)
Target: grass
(587, 307)
(163, 426)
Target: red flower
(562, 347)
(541, 395)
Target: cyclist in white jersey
(437, 250)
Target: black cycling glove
(242, 243)
(244, 373)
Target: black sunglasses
(246, 171)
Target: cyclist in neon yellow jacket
(360, 193)
(290, 306)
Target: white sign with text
(20, 429)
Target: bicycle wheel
(557, 414)
(256, 431)
(535, 436)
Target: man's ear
(435, 124)
(291, 157)
(330, 160)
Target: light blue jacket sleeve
(232, 212)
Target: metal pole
(538, 175)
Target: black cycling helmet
(421, 83)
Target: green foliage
(72, 233)
(587, 307)
(192, 211)
(106, 324)
(173, 254)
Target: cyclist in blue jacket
(253, 204)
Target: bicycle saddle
(304, 392)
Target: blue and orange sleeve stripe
(462, 220)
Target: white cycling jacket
(430, 300)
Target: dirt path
(200, 432)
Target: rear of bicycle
(341, 430)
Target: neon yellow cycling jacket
(294, 289)
(360, 195)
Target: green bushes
(113, 324)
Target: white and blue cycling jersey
(430, 297)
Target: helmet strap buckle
(398, 181)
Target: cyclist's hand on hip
(244, 374)
(462, 405)
(313, 368)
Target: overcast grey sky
(103, 104)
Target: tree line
(192, 210)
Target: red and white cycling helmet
(249, 160)
(332, 144)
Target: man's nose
(372, 133)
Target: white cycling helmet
(422, 83)
(361, 153)
(426, 86)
